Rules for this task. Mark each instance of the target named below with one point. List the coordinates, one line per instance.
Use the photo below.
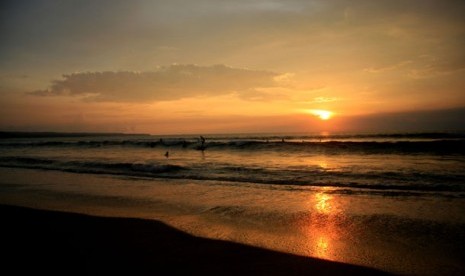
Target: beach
(50, 242)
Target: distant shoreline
(26, 134)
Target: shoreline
(56, 242)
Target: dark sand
(49, 242)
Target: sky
(204, 66)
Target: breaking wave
(387, 182)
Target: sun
(322, 114)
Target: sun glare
(322, 114)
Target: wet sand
(51, 242)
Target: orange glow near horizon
(322, 114)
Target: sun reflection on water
(323, 203)
(323, 230)
(322, 164)
(322, 247)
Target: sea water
(390, 201)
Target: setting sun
(322, 114)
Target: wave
(451, 146)
(89, 166)
(385, 182)
(366, 147)
(379, 136)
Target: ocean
(390, 201)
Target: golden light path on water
(323, 239)
(323, 204)
(323, 227)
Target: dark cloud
(82, 32)
(167, 83)
(424, 120)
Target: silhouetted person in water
(202, 141)
(282, 140)
(167, 154)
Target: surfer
(202, 142)
(167, 154)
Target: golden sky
(188, 66)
